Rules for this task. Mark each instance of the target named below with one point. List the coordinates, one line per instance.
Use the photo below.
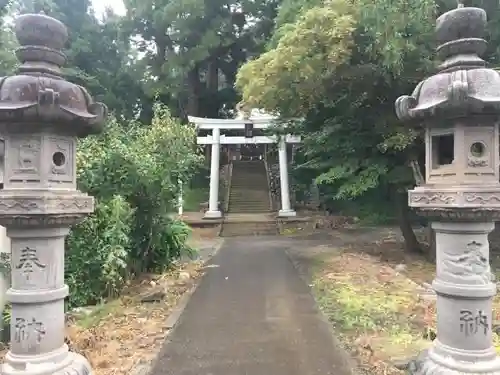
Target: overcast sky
(116, 5)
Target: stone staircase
(249, 188)
(249, 209)
(249, 225)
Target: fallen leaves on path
(121, 334)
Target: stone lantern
(41, 116)
(459, 108)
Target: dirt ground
(376, 296)
(117, 336)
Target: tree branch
(417, 172)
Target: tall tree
(99, 55)
(194, 48)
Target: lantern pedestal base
(70, 363)
(431, 362)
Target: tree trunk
(410, 239)
(210, 103)
(193, 100)
(213, 77)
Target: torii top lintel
(213, 123)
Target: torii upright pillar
(286, 209)
(213, 203)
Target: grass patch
(375, 310)
(380, 314)
(193, 198)
(99, 313)
(290, 231)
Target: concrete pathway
(252, 315)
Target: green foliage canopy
(340, 65)
(194, 48)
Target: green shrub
(133, 173)
(172, 244)
(98, 251)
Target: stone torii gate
(255, 120)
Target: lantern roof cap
(463, 85)
(38, 93)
